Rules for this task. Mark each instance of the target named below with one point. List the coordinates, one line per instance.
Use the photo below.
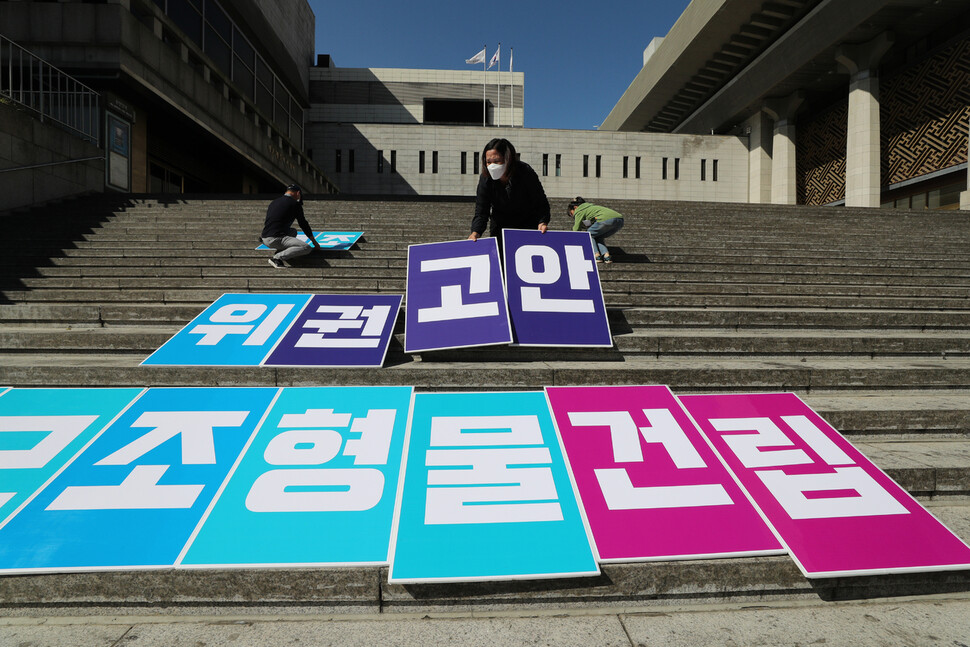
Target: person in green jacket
(599, 221)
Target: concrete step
(649, 585)
(659, 343)
(708, 374)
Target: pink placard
(651, 486)
(836, 511)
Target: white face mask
(496, 170)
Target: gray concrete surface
(939, 620)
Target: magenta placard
(836, 511)
(651, 486)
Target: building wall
(396, 96)
(821, 153)
(924, 114)
(26, 141)
(293, 24)
(685, 155)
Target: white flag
(477, 58)
(511, 51)
(494, 56)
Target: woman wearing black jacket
(509, 194)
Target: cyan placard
(236, 330)
(135, 495)
(486, 494)
(42, 429)
(328, 239)
(317, 485)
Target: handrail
(33, 166)
(54, 95)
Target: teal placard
(42, 429)
(486, 494)
(316, 486)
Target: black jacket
(521, 204)
(280, 216)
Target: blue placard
(329, 239)
(555, 298)
(42, 429)
(455, 296)
(317, 485)
(486, 494)
(236, 330)
(135, 495)
(340, 330)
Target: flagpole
(511, 90)
(484, 79)
(498, 88)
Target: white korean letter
(452, 306)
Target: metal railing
(47, 91)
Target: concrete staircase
(863, 313)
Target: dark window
(393, 161)
(676, 168)
(599, 159)
(187, 18)
(380, 161)
(464, 162)
(478, 168)
(703, 170)
(545, 164)
(558, 165)
(626, 167)
(434, 161)
(637, 168)
(585, 165)
(663, 169)
(350, 161)
(336, 161)
(421, 162)
(714, 170)
(453, 111)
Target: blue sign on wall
(339, 330)
(555, 298)
(135, 495)
(236, 330)
(42, 429)
(329, 239)
(317, 485)
(455, 296)
(486, 494)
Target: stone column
(783, 174)
(759, 159)
(965, 196)
(862, 155)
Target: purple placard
(339, 330)
(555, 298)
(835, 510)
(455, 296)
(651, 486)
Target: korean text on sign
(339, 330)
(835, 510)
(135, 495)
(641, 466)
(554, 292)
(455, 296)
(486, 494)
(316, 486)
(236, 330)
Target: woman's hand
(473, 236)
(542, 227)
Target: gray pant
(288, 247)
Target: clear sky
(578, 57)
